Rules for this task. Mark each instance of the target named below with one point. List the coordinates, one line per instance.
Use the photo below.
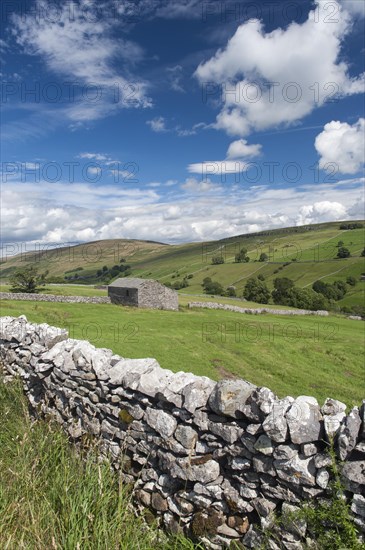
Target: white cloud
(64, 212)
(269, 79)
(175, 77)
(233, 164)
(82, 49)
(216, 167)
(241, 149)
(194, 186)
(94, 156)
(342, 144)
(179, 9)
(172, 213)
(157, 124)
(356, 7)
(319, 211)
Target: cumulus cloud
(196, 210)
(234, 162)
(241, 149)
(319, 211)
(157, 124)
(265, 80)
(342, 144)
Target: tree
(340, 287)
(351, 281)
(263, 257)
(282, 285)
(321, 287)
(105, 268)
(306, 298)
(231, 291)
(340, 243)
(211, 287)
(261, 277)
(241, 256)
(335, 291)
(363, 252)
(216, 260)
(343, 252)
(256, 291)
(27, 279)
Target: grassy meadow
(51, 498)
(303, 254)
(295, 356)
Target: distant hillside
(303, 254)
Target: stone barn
(145, 293)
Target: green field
(295, 356)
(65, 290)
(303, 254)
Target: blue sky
(179, 121)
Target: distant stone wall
(215, 460)
(54, 298)
(258, 311)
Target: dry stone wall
(259, 310)
(213, 459)
(53, 298)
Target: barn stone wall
(215, 460)
(118, 295)
(157, 296)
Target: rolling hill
(303, 254)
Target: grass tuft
(52, 498)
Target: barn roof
(130, 282)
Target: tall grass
(52, 498)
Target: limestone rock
(158, 502)
(172, 392)
(229, 433)
(263, 506)
(229, 397)
(322, 478)
(264, 445)
(275, 424)
(349, 433)
(259, 404)
(333, 407)
(358, 505)
(264, 465)
(285, 452)
(305, 420)
(197, 393)
(202, 469)
(187, 436)
(161, 421)
(293, 524)
(353, 473)
(127, 372)
(152, 381)
(297, 470)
